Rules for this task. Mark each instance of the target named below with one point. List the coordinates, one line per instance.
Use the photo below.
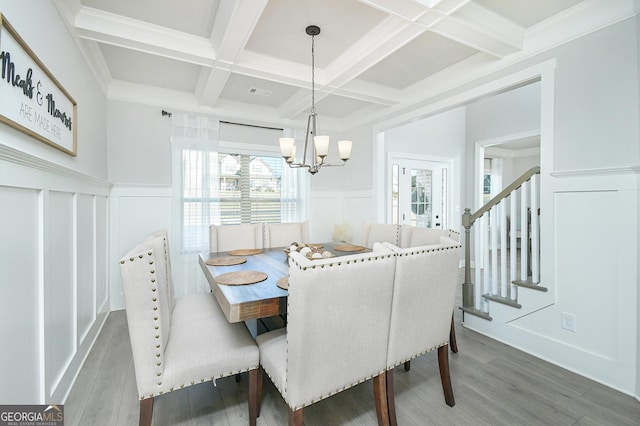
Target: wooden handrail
(503, 194)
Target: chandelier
(313, 158)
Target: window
(250, 191)
(226, 189)
(240, 179)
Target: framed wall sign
(31, 99)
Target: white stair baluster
(524, 232)
(502, 208)
(494, 250)
(535, 231)
(478, 252)
(485, 262)
(513, 251)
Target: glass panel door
(423, 193)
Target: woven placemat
(241, 277)
(225, 261)
(348, 247)
(283, 283)
(245, 252)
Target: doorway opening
(420, 192)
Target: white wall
(53, 257)
(36, 22)
(500, 117)
(139, 148)
(509, 113)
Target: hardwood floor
(493, 384)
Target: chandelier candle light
(321, 142)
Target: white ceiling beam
(369, 92)
(256, 65)
(383, 40)
(461, 20)
(117, 30)
(233, 25)
(409, 10)
(481, 29)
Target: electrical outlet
(568, 321)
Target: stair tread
(502, 300)
(529, 284)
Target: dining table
(264, 298)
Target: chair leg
(380, 398)
(259, 382)
(445, 377)
(452, 338)
(253, 396)
(407, 366)
(146, 411)
(295, 417)
(391, 399)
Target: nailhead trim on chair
(339, 263)
(159, 372)
(415, 252)
(417, 355)
(193, 382)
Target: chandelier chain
(313, 74)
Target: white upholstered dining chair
(178, 342)
(412, 236)
(283, 234)
(337, 331)
(235, 237)
(423, 302)
(379, 233)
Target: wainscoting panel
(102, 250)
(60, 296)
(86, 265)
(340, 210)
(53, 264)
(587, 251)
(20, 301)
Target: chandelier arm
(306, 139)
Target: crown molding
(117, 30)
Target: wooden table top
(259, 300)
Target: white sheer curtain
(195, 189)
(295, 187)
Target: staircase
(506, 247)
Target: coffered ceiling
(250, 59)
